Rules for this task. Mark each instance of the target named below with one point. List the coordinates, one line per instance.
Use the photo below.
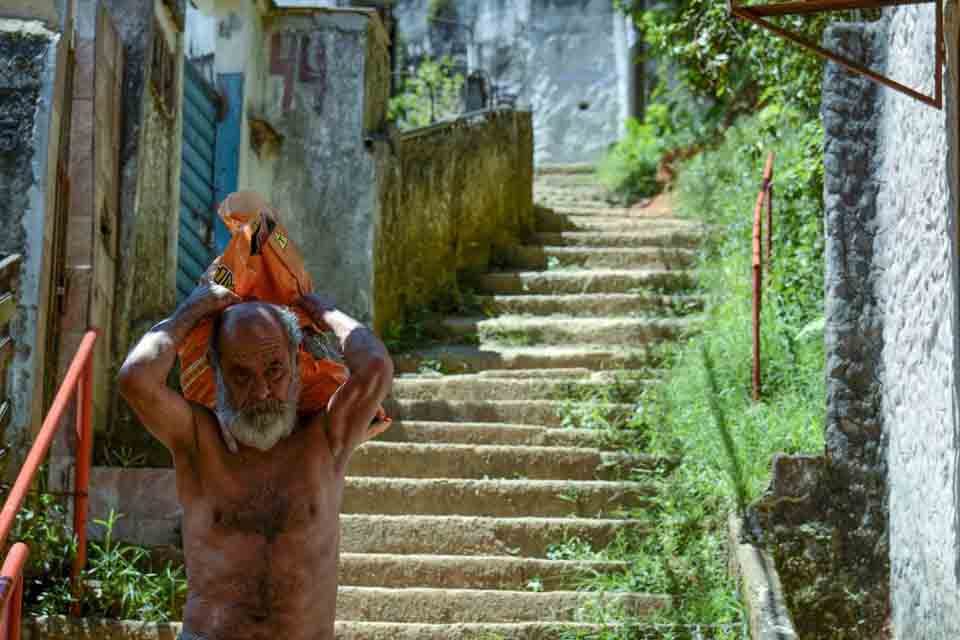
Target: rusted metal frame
(936, 100)
(79, 379)
(806, 7)
(757, 291)
(768, 190)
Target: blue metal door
(198, 197)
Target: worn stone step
(490, 433)
(466, 572)
(529, 537)
(465, 359)
(603, 220)
(474, 631)
(547, 413)
(479, 389)
(594, 304)
(495, 498)
(557, 330)
(584, 281)
(442, 460)
(476, 605)
(684, 238)
(540, 257)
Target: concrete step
(466, 572)
(603, 220)
(540, 257)
(547, 413)
(557, 330)
(489, 433)
(444, 606)
(440, 460)
(476, 388)
(528, 537)
(492, 498)
(683, 238)
(594, 304)
(473, 631)
(464, 359)
(583, 281)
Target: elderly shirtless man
(260, 489)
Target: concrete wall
(567, 61)
(150, 185)
(917, 235)
(449, 197)
(323, 66)
(31, 91)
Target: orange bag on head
(260, 263)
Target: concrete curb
(760, 587)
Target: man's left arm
(355, 404)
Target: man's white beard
(260, 426)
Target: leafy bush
(629, 169)
(433, 93)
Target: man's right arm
(143, 376)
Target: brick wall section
(918, 285)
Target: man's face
(257, 383)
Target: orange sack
(262, 263)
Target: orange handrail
(79, 379)
(765, 196)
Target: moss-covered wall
(449, 196)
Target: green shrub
(433, 93)
(629, 168)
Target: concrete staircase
(449, 517)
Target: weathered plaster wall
(451, 195)
(320, 63)
(918, 289)
(150, 186)
(565, 60)
(31, 81)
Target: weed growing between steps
(684, 553)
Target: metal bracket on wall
(759, 13)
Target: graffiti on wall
(300, 58)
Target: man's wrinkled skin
(260, 523)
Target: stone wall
(450, 196)
(32, 83)
(916, 230)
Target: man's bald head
(249, 321)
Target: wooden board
(803, 7)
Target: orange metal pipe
(45, 438)
(82, 477)
(768, 188)
(757, 291)
(11, 591)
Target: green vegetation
(702, 410)
(118, 580)
(433, 93)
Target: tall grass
(703, 409)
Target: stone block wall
(449, 197)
